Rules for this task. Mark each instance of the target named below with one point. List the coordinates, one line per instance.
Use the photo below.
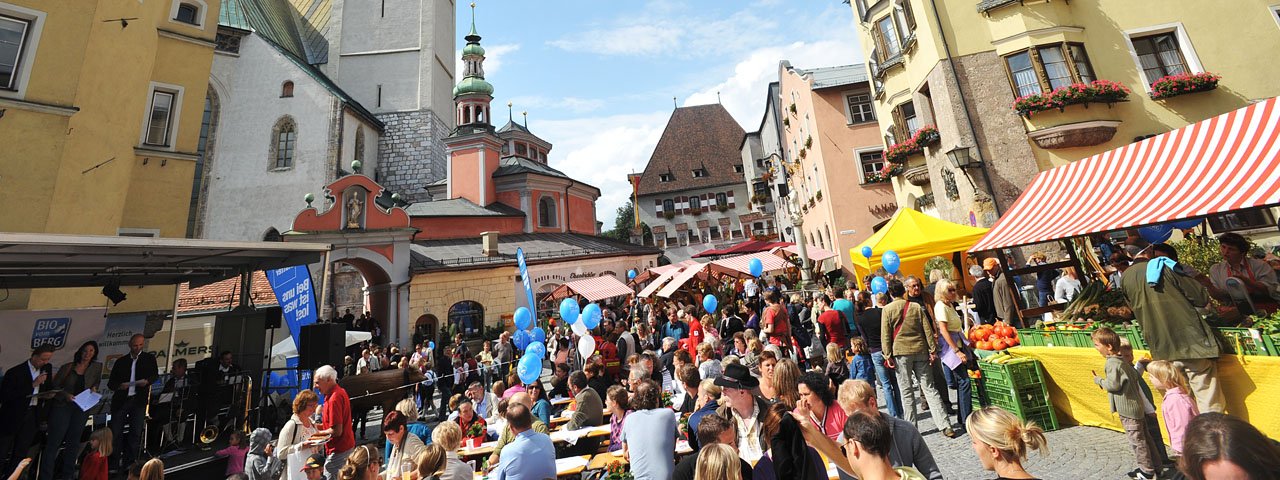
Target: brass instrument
(248, 399)
(211, 433)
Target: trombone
(211, 432)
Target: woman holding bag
(294, 444)
(950, 329)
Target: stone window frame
(547, 212)
(870, 113)
(862, 164)
(1185, 47)
(201, 11)
(273, 162)
(177, 94)
(359, 145)
(34, 21)
(286, 89)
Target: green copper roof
(473, 49)
(473, 85)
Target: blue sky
(598, 77)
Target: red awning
(592, 289)
(1225, 163)
(740, 266)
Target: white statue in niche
(355, 208)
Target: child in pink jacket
(1178, 407)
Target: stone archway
(377, 290)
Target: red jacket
(695, 338)
(94, 467)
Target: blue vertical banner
(293, 289)
(524, 277)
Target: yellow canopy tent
(916, 238)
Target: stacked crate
(1018, 387)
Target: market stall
(1217, 166)
(916, 238)
(592, 289)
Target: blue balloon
(539, 335)
(529, 368)
(1156, 233)
(710, 303)
(521, 338)
(536, 348)
(866, 252)
(631, 274)
(891, 262)
(756, 267)
(431, 345)
(569, 310)
(523, 318)
(1187, 224)
(879, 285)
(591, 316)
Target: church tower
(474, 150)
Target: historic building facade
(100, 107)
(833, 155)
(691, 193)
(960, 66)
(762, 170)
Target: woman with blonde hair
(152, 470)
(430, 462)
(951, 328)
(1002, 440)
(296, 434)
(448, 435)
(717, 461)
(364, 463)
(786, 381)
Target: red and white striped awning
(686, 274)
(815, 254)
(1224, 163)
(740, 266)
(657, 283)
(592, 289)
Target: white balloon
(579, 328)
(587, 346)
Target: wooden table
(557, 402)
(601, 461)
(562, 419)
(560, 436)
(560, 473)
(484, 449)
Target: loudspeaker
(322, 344)
(243, 333)
(274, 316)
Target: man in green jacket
(910, 345)
(1164, 303)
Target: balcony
(1063, 118)
(1071, 135)
(917, 175)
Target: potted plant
(669, 214)
(818, 195)
(802, 153)
(1097, 91)
(792, 108)
(786, 122)
(616, 471)
(928, 135)
(1174, 85)
(808, 142)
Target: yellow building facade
(101, 104)
(961, 65)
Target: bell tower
(474, 150)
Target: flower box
(891, 170)
(1174, 85)
(669, 215)
(875, 177)
(898, 152)
(818, 195)
(1097, 91)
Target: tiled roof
(703, 136)
(828, 77)
(512, 125)
(464, 253)
(513, 165)
(460, 207)
(225, 295)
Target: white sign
(192, 340)
(65, 330)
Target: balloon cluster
(532, 340)
(581, 320)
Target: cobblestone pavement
(1076, 453)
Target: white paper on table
(682, 447)
(87, 400)
(566, 464)
(165, 398)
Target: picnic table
(601, 461)
(565, 467)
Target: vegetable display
(994, 337)
(1096, 304)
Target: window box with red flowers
(891, 169)
(925, 136)
(1097, 91)
(1174, 85)
(876, 176)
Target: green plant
(938, 263)
(802, 153)
(669, 214)
(898, 152)
(1174, 85)
(1200, 252)
(786, 122)
(818, 195)
(808, 142)
(792, 108)
(1097, 91)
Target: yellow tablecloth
(1251, 385)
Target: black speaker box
(322, 344)
(274, 315)
(242, 332)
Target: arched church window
(467, 317)
(284, 142)
(547, 212)
(286, 89)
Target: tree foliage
(623, 221)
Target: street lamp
(793, 205)
(961, 159)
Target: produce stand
(1217, 166)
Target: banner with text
(66, 330)
(292, 286)
(524, 278)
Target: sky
(597, 77)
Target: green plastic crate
(1021, 398)
(1044, 417)
(977, 391)
(1033, 337)
(1134, 334)
(1072, 338)
(1246, 341)
(1012, 374)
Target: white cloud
(493, 56)
(602, 150)
(664, 31)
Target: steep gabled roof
(702, 136)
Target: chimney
(489, 244)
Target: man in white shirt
(131, 379)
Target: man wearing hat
(314, 467)
(1002, 293)
(747, 409)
